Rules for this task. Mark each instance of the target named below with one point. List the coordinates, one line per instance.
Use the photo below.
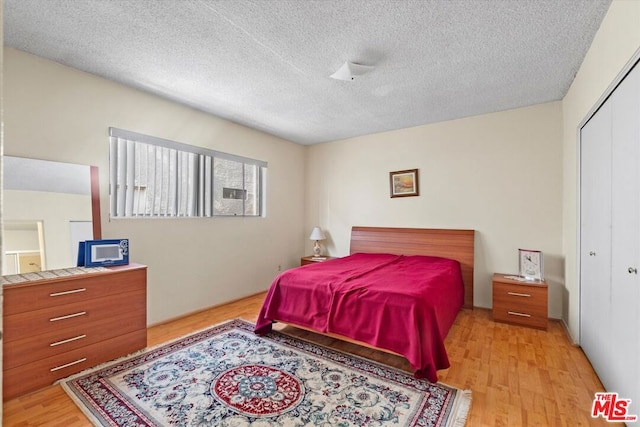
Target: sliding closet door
(625, 237)
(610, 239)
(595, 241)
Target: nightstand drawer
(525, 317)
(520, 303)
(520, 297)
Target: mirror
(48, 207)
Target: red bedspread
(405, 304)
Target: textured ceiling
(266, 63)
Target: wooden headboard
(453, 244)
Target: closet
(610, 240)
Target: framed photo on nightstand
(530, 264)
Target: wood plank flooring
(518, 376)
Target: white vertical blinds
(153, 177)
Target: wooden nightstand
(520, 303)
(311, 260)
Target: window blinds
(154, 177)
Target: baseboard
(567, 332)
(191, 313)
(562, 323)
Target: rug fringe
(80, 405)
(460, 409)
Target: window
(154, 177)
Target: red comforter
(405, 304)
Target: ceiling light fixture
(349, 71)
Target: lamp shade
(316, 234)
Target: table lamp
(316, 236)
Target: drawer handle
(68, 316)
(518, 294)
(73, 291)
(66, 365)
(515, 313)
(79, 337)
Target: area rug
(228, 376)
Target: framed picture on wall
(404, 183)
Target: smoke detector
(349, 71)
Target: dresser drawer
(32, 376)
(41, 346)
(39, 295)
(520, 304)
(71, 317)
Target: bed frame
(446, 243)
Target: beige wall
(614, 45)
(56, 211)
(57, 113)
(499, 174)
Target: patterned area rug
(228, 376)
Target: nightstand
(311, 260)
(520, 302)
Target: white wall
(613, 46)
(499, 174)
(57, 113)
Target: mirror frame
(95, 203)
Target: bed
(399, 291)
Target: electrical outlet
(279, 267)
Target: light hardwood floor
(518, 376)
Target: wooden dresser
(520, 302)
(54, 328)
